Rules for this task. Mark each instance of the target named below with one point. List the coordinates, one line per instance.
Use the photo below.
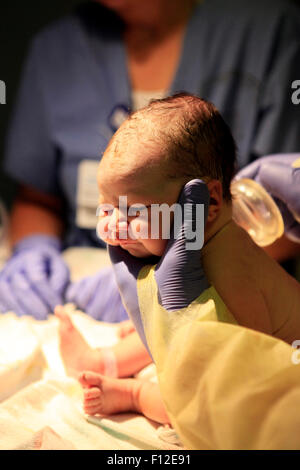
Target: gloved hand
(179, 274)
(279, 174)
(34, 279)
(98, 296)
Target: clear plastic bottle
(256, 212)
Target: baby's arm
(235, 267)
(127, 357)
(106, 396)
(247, 304)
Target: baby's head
(155, 152)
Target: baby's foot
(125, 328)
(76, 353)
(104, 395)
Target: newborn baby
(155, 152)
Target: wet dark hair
(197, 140)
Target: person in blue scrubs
(82, 77)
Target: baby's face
(142, 189)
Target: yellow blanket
(224, 386)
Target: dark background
(19, 21)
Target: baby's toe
(90, 379)
(92, 393)
(65, 323)
(92, 407)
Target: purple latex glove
(34, 279)
(277, 175)
(179, 274)
(98, 296)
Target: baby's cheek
(156, 247)
(139, 229)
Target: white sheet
(40, 406)
(47, 412)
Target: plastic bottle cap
(256, 212)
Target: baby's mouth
(128, 242)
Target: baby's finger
(60, 313)
(58, 309)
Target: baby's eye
(107, 212)
(104, 211)
(137, 210)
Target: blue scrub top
(242, 55)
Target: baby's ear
(216, 199)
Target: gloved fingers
(75, 291)
(13, 265)
(287, 216)
(251, 170)
(115, 311)
(48, 295)
(59, 276)
(100, 288)
(107, 305)
(99, 304)
(3, 308)
(193, 198)
(71, 290)
(92, 289)
(36, 267)
(282, 182)
(179, 274)
(101, 297)
(291, 226)
(95, 310)
(284, 158)
(95, 295)
(28, 298)
(294, 232)
(29, 270)
(9, 300)
(7, 295)
(121, 314)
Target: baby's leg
(106, 396)
(129, 354)
(76, 353)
